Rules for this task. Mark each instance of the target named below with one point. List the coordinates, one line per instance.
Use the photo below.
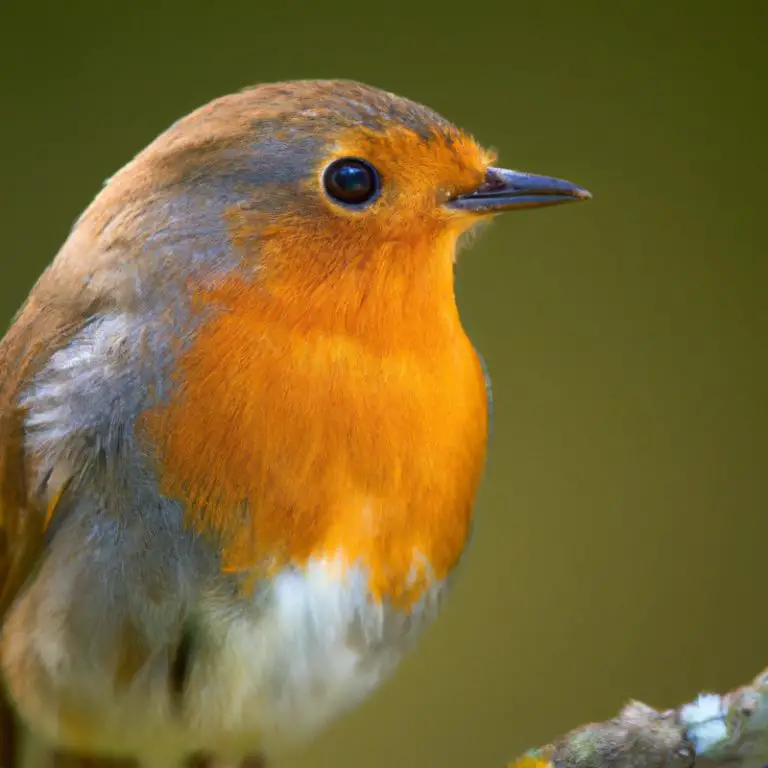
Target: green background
(621, 537)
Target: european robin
(242, 428)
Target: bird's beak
(505, 190)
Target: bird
(242, 429)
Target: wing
(37, 332)
(35, 335)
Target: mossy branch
(711, 732)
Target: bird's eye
(351, 182)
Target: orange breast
(290, 440)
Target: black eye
(351, 181)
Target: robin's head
(307, 180)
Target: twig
(713, 731)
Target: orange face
(361, 191)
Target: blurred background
(620, 550)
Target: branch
(712, 732)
